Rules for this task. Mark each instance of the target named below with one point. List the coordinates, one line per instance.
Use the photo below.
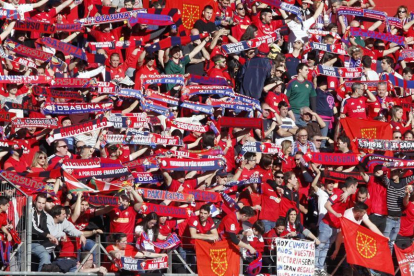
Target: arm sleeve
(233, 238)
(36, 231)
(313, 103)
(70, 229)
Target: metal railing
(20, 216)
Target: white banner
(295, 257)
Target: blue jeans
(391, 230)
(324, 133)
(40, 251)
(327, 236)
(298, 120)
(268, 225)
(87, 247)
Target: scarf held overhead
(192, 165)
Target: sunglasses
(402, 11)
(279, 177)
(240, 9)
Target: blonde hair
(36, 156)
(285, 145)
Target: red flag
(366, 248)
(405, 259)
(357, 128)
(191, 10)
(217, 259)
(103, 186)
(74, 185)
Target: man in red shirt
(230, 227)
(147, 69)
(266, 26)
(406, 233)
(199, 227)
(330, 224)
(356, 105)
(123, 217)
(378, 197)
(117, 69)
(269, 212)
(218, 71)
(383, 103)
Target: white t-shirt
(147, 246)
(370, 76)
(21, 9)
(322, 199)
(349, 214)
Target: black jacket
(39, 227)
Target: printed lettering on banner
(295, 257)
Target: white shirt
(322, 199)
(349, 214)
(370, 76)
(286, 123)
(21, 9)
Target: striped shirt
(395, 195)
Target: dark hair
(328, 36)
(331, 26)
(297, 221)
(349, 181)
(362, 190)
(249, 155)
(264, 12)
(217, 58)
(288, 175)
(265, 161)
(360, 206)
(41, 195)
(155, 229)
(206, 207)
(208, 7)
(56, 211)
(300, 67)
(280, 222)
(177, 132)
(208, 139)
(409, 132)
(4, 200)
(249, 33)
(57, 143)
(282, 104)
(377, 43)
(119, 236)
(407, 70)
(389, 60)
(248, 211)
(366, 61)
(259, 226)
(345, 139)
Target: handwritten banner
(295, 257)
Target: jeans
(88, 246)
(327, 236)
(391, 230)
(268, 225)
(324, 133)
(298, 120)
(379, 221)
(40, 251)
(189, 257)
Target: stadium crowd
(129, 108)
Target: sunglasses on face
(240, 9)
(403, 11)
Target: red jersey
(123, 221)
(168, 227)
(144, 70)
(84, 219)
(194, 222)
(338, 207)
(378, 196)
(238, 30)
(251, 199)
(273, 99)
(374, 54)
(229, 224)
(270, 203)
(12, 164)
(355, 107)
(189, 185)
(407, 221)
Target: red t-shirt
(168, 227)
(407, 221)
(12, 164)
(355, 107)
(189, 185)
(273, 99)
(123, 221)
(229, 224)
(378, 196)
(251, 199)
(130, 251)
(338, 207)
(270, 208)
(194, 222)
(84, 219)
